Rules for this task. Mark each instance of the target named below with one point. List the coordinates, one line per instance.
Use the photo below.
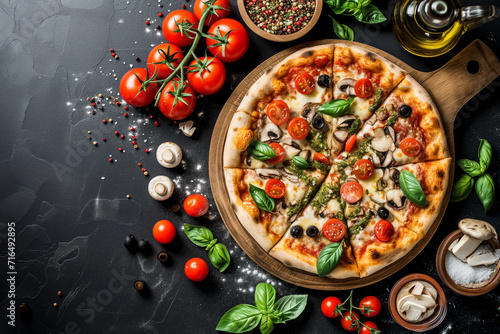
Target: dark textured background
(69, 203)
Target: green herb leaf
(342, 31)
(265, 295)
(377, 102)
(266, 324)
(261, 199)
(328, 258)
(470, 167)
(337, 107)
(340, 6)
(412, 188)
(260, 151)
(370, 14)
(485, 190)
(484, 152)
(300, 162)
(392, 120)
(241, 318)
(219, 256)
(462, 188)
(199, 235)
(290, 307)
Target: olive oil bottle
(430, 28)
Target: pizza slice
(267, 201)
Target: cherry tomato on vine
(206, 75)
(278, 112)
(363, 169)
(196, 205)
(179, 109)
(280, 154)
(346, 323)
(196, 269)
(328, 306)
(298, 128)
(334, 230)
(321, 158)
(275, 188)
(369, 325)
(199, 7)
(351, 192)
(305, 83)
(236, 36)
(374, 303)
(383, 230)
(164, 231)
(363, 88)
(161, 53)
(131, 85)
(410, 147)
(173, 21)
(349, 144)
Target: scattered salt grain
(461, 273)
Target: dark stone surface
(69, 203)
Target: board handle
(460, 79)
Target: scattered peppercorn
(134, 137)
(150, 116)
(137, 58)
(183, 6)
(24, 309)
(120, 149)
(118, 103)
(104, 121)
(89, 132)
(122, 136)
(136, 146)
(116, 57)
(143, 169)
(128, 196)
(95, 143)
(146, 173)
(147, 22)
(132, 129)
(55, 304)
(113, 54)
(160, 14)
(89, 138)
(162, 256)
(176, 208)
(117, 133)
(93, 104)
(139, 164)
(110, 159)
(147, 150)
(111, 120)
(157, 123)
(158, 27)
(59, 293)
(104, 139)
(100, 95)
(101, 108)
(126, 108)
(112, 50)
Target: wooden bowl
(472, 290)
(280, 38)
(434, 320)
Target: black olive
(324, 80)
(130, 243)
(144, 247)
(312, 231)
(272, 134)
(139, 285)
(162, 256)
(318, 122)
(283, 205)
(405, 111)
(383, 212)
(322, 215)
(297, 231)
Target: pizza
(336, 161)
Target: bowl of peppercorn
(280, 20)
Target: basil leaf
(278, 317)
(265, 296)
(470, 167)
(412, 188)
(462, 188)
(485, 190)
(340, 6)
(485, 152)
(337, 107)
(370, 14)
(241, 318)
(266, 324)
(300, 162)
(377, 102)
(342, 31)
(199, 235)
(290, 307)
(219, 256)
(328, 258)
(261, 199)
(260, 151)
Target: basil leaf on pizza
(337, 107)
(412, 188)
(199, 235)
(260, 151)
(300, 162)
(261, 199)
(342, 31)
(470, 167)
(328, 258)
(462, 188)
(484, 152)
(485, 189)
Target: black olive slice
(405, 111)
(312, 231)
(297, 231)
(324, 80)
(318, 122)
(383, 212)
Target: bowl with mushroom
(468, 259)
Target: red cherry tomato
(210, 79)
(383, 230)
(161, 53)
(374, 304)
(305, 84)
(351, 192)
(349, 145)
(237, 40)
(321, 158)
(199, 7)
(173, 21)
(363, 88)
(280, 154)
(177, 110)
(275, 188)
(410, 147)
(131, 85)
(196, 205)
(328, 306)
(196, 269)
(278, 112)
(369, 325)
(298, 128)
(363, 169)
(346, 323)
(164, 231)
(334, 230)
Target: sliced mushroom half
(268, 174)
(394, 175)
(306, 154)
(347, 86)
(375, 159)
(345, 121)
(381, 142)
(372, 119)
(289, 176)
(309, 111)
(387, 159)
(270, 132)
(341, 135)
(396, 199)
(290, 150)
(389, 131)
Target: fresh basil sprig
(260, 151)
(300, 162)
(462, 188)
(328, 258)
(485, 190)
(337, 107)
(203, 237)
(362, 10)
(245, 317)
(261, 199)
(342, 31)
(470, 167)
(412, 188)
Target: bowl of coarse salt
(468, 259)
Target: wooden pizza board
(451, 87)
